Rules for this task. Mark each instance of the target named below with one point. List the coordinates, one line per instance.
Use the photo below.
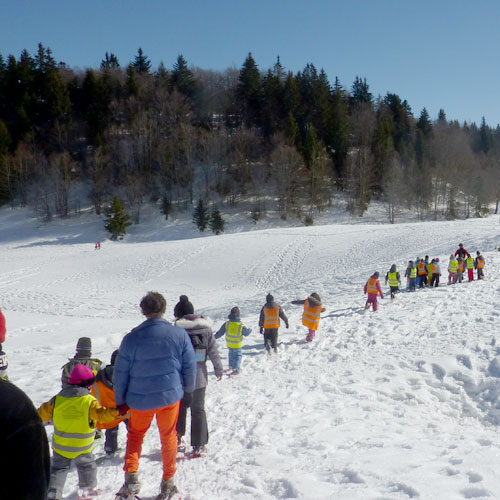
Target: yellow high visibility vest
(234, 334)
(271, 317)
(413, 272)
(74, 433)
(470, 263)
(311, 315)
(392, 279)
(453, 266)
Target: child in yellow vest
(74, 412)
(234, 330)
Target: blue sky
(434, 53)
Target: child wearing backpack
(103, 391)
(74, 412)
(234, 330)
(83, 356)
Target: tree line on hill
(274, 138)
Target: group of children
(79, 412)
(425, 273)
(86, 403)
(270, 319)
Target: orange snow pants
(138, 424)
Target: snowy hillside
(398, 404)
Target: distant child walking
(269, 323)
(373, 289)
(394, 280)
(452, 270)
(479, 265)
(234, 330)
(74, 412)
(313, 307)
(469, 264)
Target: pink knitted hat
(81, 374)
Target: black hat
(376, 274)
(84, 346)
(269, 298)
(235, 313)
(183, 307)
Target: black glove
(261, 330)
(287, 325)
(187, 399)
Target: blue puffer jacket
(155, 366)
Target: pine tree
(360, 91)
(110, 61)
(131, 83)
(141, 63)
(249, 92)
(216, 222)
(424, 123)
(117, 221)
(182, 78)
(201, 216)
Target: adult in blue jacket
(154, 369)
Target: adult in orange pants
(155, 368)
(311, 314)
(139, 423)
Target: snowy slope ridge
(398, 404)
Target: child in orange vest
(479, 265)
(269, 322)
(311, 314)
(373, 289)
(102, 390)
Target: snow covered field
(399, 404)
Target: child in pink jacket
(373, 289)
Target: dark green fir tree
(182, 77)
(110, 61)
(141, 63)
(201, 216)
(216, 222)
(117, 221)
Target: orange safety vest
(434, 268)
(310, 316)
(461, 266)
(106, 398)
(421, 268)
(271, 317)
(480, 262)
(372, 286)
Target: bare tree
(287, 166)
(63, 170)
(395, 188)
(99, 178)
(360, 160)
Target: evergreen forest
(274, 139)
